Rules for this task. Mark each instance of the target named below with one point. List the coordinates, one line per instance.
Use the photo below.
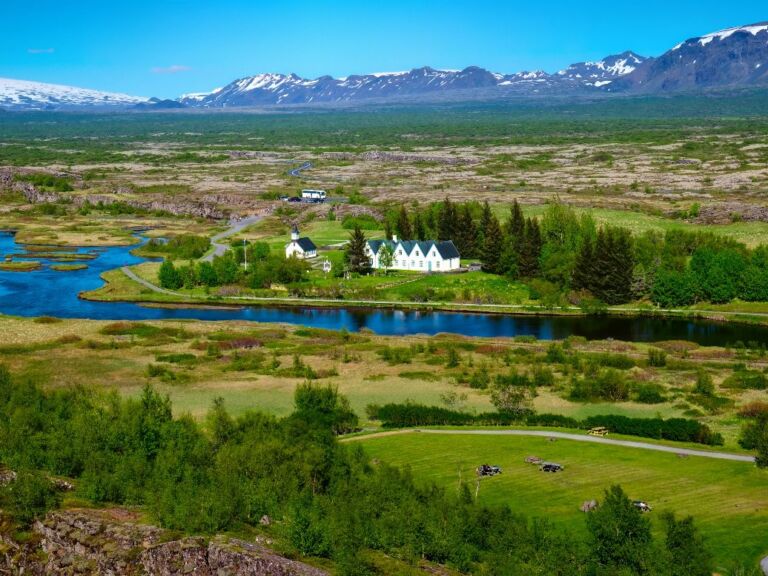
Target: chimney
(394, 238)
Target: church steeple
(295, 233)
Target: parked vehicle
(552, 467)
(488, 470)
(598, 431)
(642, 506)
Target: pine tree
(446, 221)
(403, 225)
(485, 221)
(419, 231)
(354, 256)
(516, 223)
(493, 247)
(610, 275)
(582, 278)
(466, 233)
(622, 264)
(530, 250)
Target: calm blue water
(50, 293)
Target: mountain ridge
(732, 58)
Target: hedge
(676, 429)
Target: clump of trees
(264, 269)
(182, 247)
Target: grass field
(729, 500)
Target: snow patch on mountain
(27, 95)
(753, 29)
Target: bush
(746, 380)
(609, 385)
(657, 358)
(650, 394)
(29, 497)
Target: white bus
(313, 195)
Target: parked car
(488, 470)
(598, 431)
(552, 467)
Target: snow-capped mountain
(604, 71)
(275, 89)
(731, 58)
(25, 95)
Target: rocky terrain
(113, 543)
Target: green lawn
(729, 500)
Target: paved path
(235, 226)
(146, 283)
(583, 438)
(298, 170)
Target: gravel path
(586, 438)
(146, 283)
(235, 226)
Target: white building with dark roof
(302, 248)
(416, 256)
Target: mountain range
(729, 59)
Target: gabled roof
(446, 248)
(306, 244)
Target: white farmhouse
(302, 248)
(417, 256)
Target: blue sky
(168, 47)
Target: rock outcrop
(113, 543)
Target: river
(46, 292)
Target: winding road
(298, 170)
(235, 226)
(577, 438)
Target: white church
(416, 256)
(302, 248)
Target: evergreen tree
(530, 251)
(355, 256)
(446, 221)
(516, 227)
(387, 229)
(493, 247)
(582, 278)
(419, 230)
(485, 218)
(466, 233)
(169, 277)
(621, 266)
(403, 225)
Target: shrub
(657, 358)
(746, 380)
(609, 385)
(29, 496)
(650, 394)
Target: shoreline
(224, 302)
